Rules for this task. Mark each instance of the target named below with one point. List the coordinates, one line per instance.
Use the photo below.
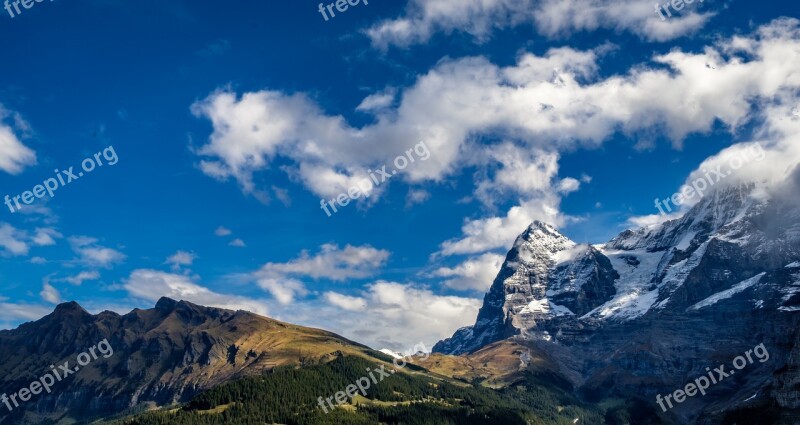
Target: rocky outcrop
(545, 277)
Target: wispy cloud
(223, 231)
(81, 277)
(50, 294)
(18, 242)
(90, 253)
(181, 259)
(481, 18)
(152, 284)
(284, 280)
(14, 156)
(331, 262)
(13, 312)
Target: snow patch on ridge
(677, 273)
(790, 291)
(719, 296)
(683, 245)
(633, 297)
(544, 306)
(626, 306)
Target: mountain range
(654, 307)
(162, 356)
(567, 332)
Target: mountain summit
(653, 306)
(546, 277)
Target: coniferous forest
(289, 395)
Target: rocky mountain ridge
(164, 355)
(644, 312)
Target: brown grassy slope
(496, 365)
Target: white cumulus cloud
(476, 273)
(389, 315)
(92, 254)
(331, 262)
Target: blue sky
(231, 122)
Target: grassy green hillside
(289, 395)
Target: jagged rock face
(655, 306)
(161, 356)
(545, 278)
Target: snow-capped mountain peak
(549, 283)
